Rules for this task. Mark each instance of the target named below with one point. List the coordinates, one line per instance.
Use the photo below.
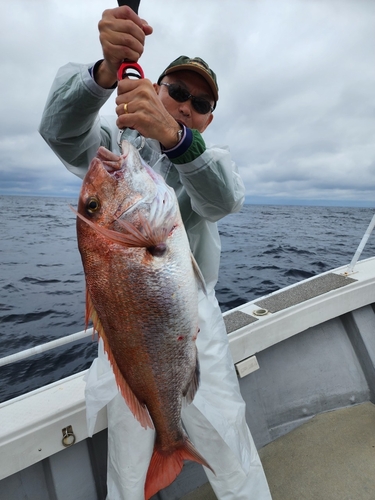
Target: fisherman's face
(184, 112)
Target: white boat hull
(314, 353)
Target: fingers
(122, 35)
(139, 107)
(128, 101)
(147, 29)
(105, 154)
(120, 39)
(110, 160)
(126, 12)
(134, 102)
(134, 89)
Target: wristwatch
(180, 134)
(180, 137)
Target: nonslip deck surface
(331, 457)
(236, 320)
(304, 291)
(288, 298)
(203, 493)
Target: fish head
(114, 184)
(125, 195)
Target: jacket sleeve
(72, 128)
(211, 179)
(70, 123)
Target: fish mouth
(115, 165)
(112, 163)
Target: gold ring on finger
(126, 108)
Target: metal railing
(27, 353)
(361, 246)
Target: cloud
(296, 78)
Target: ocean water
(264, 248)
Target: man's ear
(209, 120)
(156, 87)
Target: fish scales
(142, 296)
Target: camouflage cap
(196, 64)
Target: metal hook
(68, 436)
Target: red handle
(128, 69)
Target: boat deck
(307, 349)
(331, 457)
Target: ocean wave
(42, 289)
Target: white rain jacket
(208, 187)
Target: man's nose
(185, 107)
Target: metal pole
(27, 353)
(361, 246)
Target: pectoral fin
(132, 237)
(193, 385)
(198, 274)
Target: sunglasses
(179, 94)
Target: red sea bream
(142, 296)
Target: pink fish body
(142, 296)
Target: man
(165, 121)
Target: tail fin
(164, 469)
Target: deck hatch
(304, 291)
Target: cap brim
(200, 71)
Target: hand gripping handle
(133, 4)
(127, 68)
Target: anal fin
(139, 410)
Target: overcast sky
(296, 78)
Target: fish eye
(92, 205)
